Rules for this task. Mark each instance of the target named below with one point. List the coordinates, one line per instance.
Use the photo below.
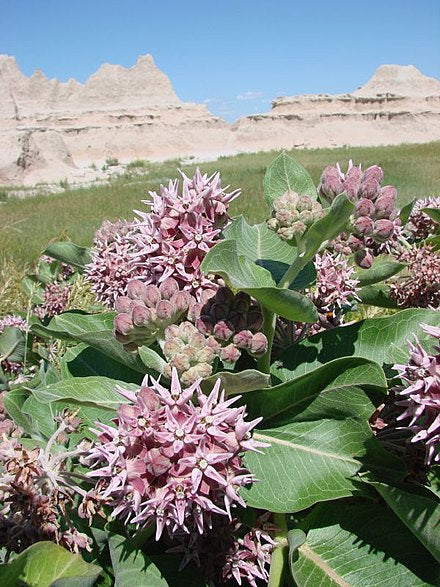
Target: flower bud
(230, 354)
(165, 311)
(172, 346)
(168, 287)
(306, 217)
(205, 324)
(363, 258)
(286, 233)
(383, 229)
(389, 191)
(186, 330)
(180, 301)
(123, 304)
(254, 319)
(219, 311)
(259, 344)
(243, 339)
(238, 320)
(364, 226)
(152, 296)
(369, 188)
(199, 371)
(355, 243)
(142, 316)
(285, 217)
(180, 361)
(214, 345)
(364, 207)
(123, 323)
(384, 206)
(352, 183)
(304, 203)
(272, 224)
(374, 172)
(172, 331)
(194, 311)
(136, 289)
(331, 183)
(242, 302)
(205, 355)
(224, 295)
(223, 330)
(196, 340)
(299, 228)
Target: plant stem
(268, 329)
(296, 266)
(279, 555)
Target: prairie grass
(27, 225)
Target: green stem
(296, 266)
(279, 555)
(268, 329)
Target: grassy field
(27, 225)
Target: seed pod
(123, 304)
(230, 354)
(123, 323)
(364, 226)
(259, 344)
(383, 229)
(168, 287)
(136, 289)
(363, 258)
(142, 316)
(152, 296)
(364, 207)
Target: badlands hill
(51, 130)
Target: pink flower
(171, 461)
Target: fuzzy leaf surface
(285, 174)
(378, 272)
(69, 253)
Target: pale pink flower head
(420, 225)
(174, 456)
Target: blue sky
(234, 55)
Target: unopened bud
(304, 203)
(152, 296)
(259, 344)
(369, 188)
(254, 320)
(285, 217)
(363, 258)
(168, 287)
(223, 330)
(352, 183)
(389, 191)
(219, 310)
(199, 371)
(136, 289)
(213, 344)
(331, 183)
(142, 316)
(205, 355)
(242, 302)
(272, 224)
(383, 229)
(364, 226)
(165, 311)
(123, 323)
(172, 346)
(238, 320)
(355, 243)
(205, 324)
(364, 207)
(123, 304)
(224, 295)
(180, 361)
(243, 339)
(230, 354)
(374, 172)
(286, 233)
(384, 207)
(180, 301)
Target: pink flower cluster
(419, 396)
(420, 225)
(55, 299)
(171, 239)
(112, 266)
(419, 284)
(375, 219)
(169, 461)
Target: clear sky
(234, 55)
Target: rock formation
(51, 130)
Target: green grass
(27, 225)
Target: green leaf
(131, 566)
(13, 402)
(382, 340)
(234, 383)
(285, 174)
(419, 510)
(84, 361)
(151, 359)
(242, 274)
(95, 391)
(45, 564)
(378, 272)
(33, 289)
(433, 213)
(319, 436)
(360, 545)
(377, 295)
(405, 212)
(69, 253)
(12, 344)
(42, 416)
(96, 330)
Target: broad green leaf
(96, 330)
(152, 360)
(242, 274)
(378, 272)
(257, 242)
(41, 415)
(433, 213)
(69, 253)
(419, 510)
(12, 344)
(13, 402)
(360, 545)
(285, 174)
(319, 436)
(377, 295)
(33, 289)
(46, 564)
(405, 212)
(382, 340)
(234, 383)
(131, 566)
(84, 361)
(95, 391)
